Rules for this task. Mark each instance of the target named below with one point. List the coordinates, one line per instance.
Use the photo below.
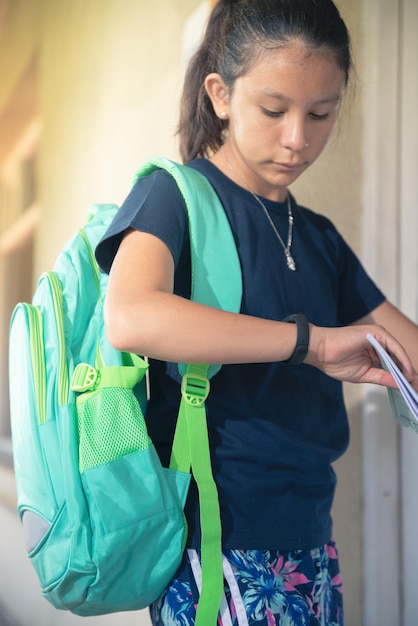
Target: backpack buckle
(84, 378)
(195, 389)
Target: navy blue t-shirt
(274, 429)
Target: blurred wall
(109, 89)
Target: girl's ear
(218, 94)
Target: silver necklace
(290, 262)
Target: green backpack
(103, 520)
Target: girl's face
(280, 117)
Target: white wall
(390, 146)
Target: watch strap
(302, 338)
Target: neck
(221, 161)
(290, 262)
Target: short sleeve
(155, 206)
(358, 295)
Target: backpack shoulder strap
(216, 270)
(216, 282)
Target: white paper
(404, 399)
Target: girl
(260, 100)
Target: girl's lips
(289, 167)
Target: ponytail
(200, 130)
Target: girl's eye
(270, 113)
(317, 117)
(314, 116)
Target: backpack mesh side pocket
(110, 426)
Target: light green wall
(110, 84)
(19, 35)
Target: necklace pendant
(290, 262)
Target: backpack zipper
(56, 292)
(35, 323)
(93, 262)
(99, 361)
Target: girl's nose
(294, 135)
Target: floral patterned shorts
(267, 588)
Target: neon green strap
(191, 449)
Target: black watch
(302, 338)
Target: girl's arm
(142, 315)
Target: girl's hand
(346, 354)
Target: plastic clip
(195, 389)
(85, 378)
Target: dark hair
(237, 31)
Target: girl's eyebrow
(332, 99)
